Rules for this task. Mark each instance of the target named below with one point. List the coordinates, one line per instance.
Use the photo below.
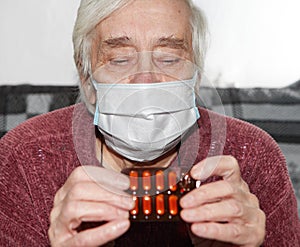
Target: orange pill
(146, 180)
(160, 204)
(160, 183)
(173, 205)
(135, 210)
(172, 181)
(133, 175)
(147, 205)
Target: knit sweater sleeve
(35, 160)
(277, 198)
(264, 168)
(19, 223)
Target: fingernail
(198, 229)
(123, 213)
(129, 202)
(123, 224)
(132, 203)
(187, 201)
(123, 181)
(198, 172)
(187, 214)
(203, 172)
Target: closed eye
(169, 61)
(119, 61)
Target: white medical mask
(144, 121)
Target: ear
(89, 91)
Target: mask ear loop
(178, 157)
(101, 158)
(100, 136)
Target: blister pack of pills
(157, 192)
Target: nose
(144, 77)
(146, 71)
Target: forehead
(145, 20)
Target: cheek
(90, 92)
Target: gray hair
(92, 12)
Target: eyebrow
(117, 42)
(170, 41)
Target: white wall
(253, 42)
(36, 41)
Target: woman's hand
(90, 194)
(224, 210)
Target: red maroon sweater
(37, 157)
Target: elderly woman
(139, 63)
